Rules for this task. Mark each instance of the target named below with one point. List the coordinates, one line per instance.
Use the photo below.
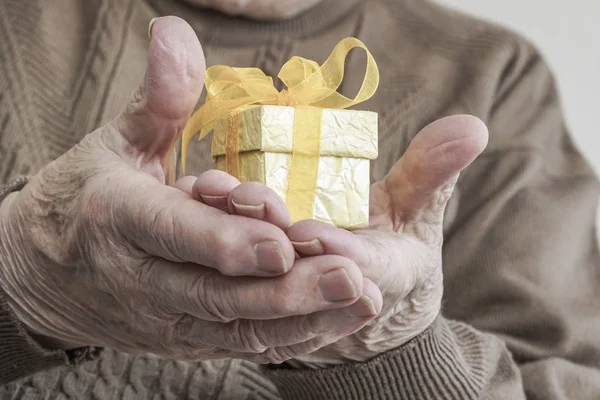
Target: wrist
(444, 355)
(11, 256)
(13, 259)
(385, 334)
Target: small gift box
(300, 142)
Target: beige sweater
(521, 262)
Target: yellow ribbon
(231, 89)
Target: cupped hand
(401, 251)
(97, 250)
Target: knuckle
(286, 299)
(310, 325)
(320, 342)
(162, 224)
(213, 298)
(152, 221)
(146, 275)
(97, 211)
(245, 336)
(177, 331)
(226, 246)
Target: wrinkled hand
(401, 251)
(96, 250)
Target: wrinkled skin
(258, 9)
(401, 251)
(96, 250)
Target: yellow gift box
(348, 143)
(300, 142)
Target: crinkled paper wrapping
(348, 143)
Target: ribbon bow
(308, 84)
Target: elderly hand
(96, 250)
(401, 251)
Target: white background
(568, 35)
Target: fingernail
(336, 286)
(209, 198)
(152, 21)
(219, 202)
(364, 307)
(270, 257)
(310, 248)
(256, 212)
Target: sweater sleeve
(20, 354)
(521, 270)
(450, 360)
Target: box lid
(345, 133)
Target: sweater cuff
(20, 354)
(433, 365)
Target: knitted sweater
(521, 261)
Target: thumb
(421, 182)
(160, 107)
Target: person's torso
(69, 66)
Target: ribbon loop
(308, 84)
(296, 70)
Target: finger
(315, 284)
(371, 298)
(388, 259)
(185, 184)
(214, 187)
(260, 336)
(211, 187)
(255, 200)
(251, 199)
(168, 223)
(312, 238)
(424, 177)
(159, 109)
